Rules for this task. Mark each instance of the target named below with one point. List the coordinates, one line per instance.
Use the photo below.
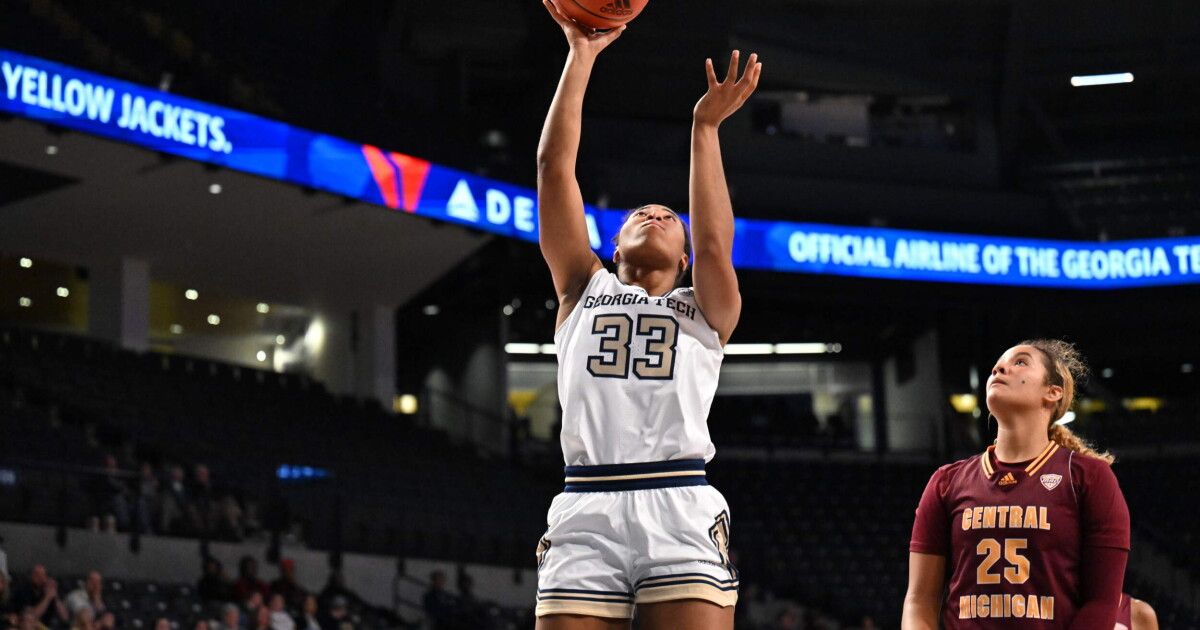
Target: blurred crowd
(40, 602)
(283, 604)
(166, 500)
(464, 611)
(759, 609)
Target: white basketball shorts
(627, 534)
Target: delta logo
(400, 178)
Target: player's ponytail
(1066, 438)
(1065, 367)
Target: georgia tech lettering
(633, 299)
(1013, 550)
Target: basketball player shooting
(637, 526)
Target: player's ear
(617, 255)
(1054, 393)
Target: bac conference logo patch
(1051, 480)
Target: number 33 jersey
(636, 375)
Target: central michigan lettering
(994, 516)
(1003, 605)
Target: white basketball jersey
(636, 375)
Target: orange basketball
(601, 14)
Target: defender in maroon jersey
(1035, 529)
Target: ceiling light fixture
(1101, 79)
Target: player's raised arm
(711, 211)
(563, 231)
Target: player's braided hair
(1065, 367)
(687, 236)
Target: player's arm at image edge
(923, 601)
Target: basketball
(601, 14)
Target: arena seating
(1157, 503)
(138, 605)
(785, 421)
(1173, 424)
(831, 535)
(72, 399)
(811, 529)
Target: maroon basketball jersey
(1124, 613)
(1013, 535)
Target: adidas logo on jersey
(1051, 480)
(617, 7)
(1007, 480)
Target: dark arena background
(273, 318)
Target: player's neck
(1020, 440)
(656, 282)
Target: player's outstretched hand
(725, 97)
(583, 40)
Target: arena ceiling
(972, 126)
(80, 200)
(973, 123)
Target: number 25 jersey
(1014, 535)
(636, 375)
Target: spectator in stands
(308, 615)
(6, 601)
(335, 587)
(213, 586)
(30, 621)
(146, 507)
(262, 619)
(106, 621)
(174, 504)
(868, 623)
(214, 514)
(110, 497)
(286, 585)
(84, 619)
(4, 568)
(41, 594)
(787, 619)
(92, 595)
(201, 624)
(338, 617)
(231, 618)
(248, 581)
(230, 518)
(440, 606)
(204, 502)
(280, 619)
(162, 623)
(470, 611)
(252, 605)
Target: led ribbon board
(160, 121)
